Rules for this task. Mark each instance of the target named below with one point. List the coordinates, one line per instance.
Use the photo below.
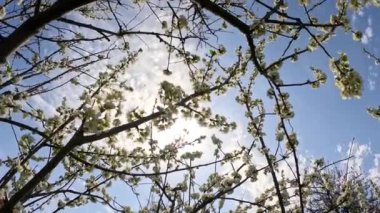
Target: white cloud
(361, 13)
(374, 172)
(365, 39)
(354, 18)
(372, 78)
(368, 32)
(355, 15)
(369, 21)
(339, 148)
(371, 84)
(44, 104)
(144, 76)
(359, 152)
(373, 73)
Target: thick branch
(31, 26)
(23, 126)
(134, 124)
(27, 188)
(231, 19)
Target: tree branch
(31, 26)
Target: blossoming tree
(101, 138)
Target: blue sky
(323, 121)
